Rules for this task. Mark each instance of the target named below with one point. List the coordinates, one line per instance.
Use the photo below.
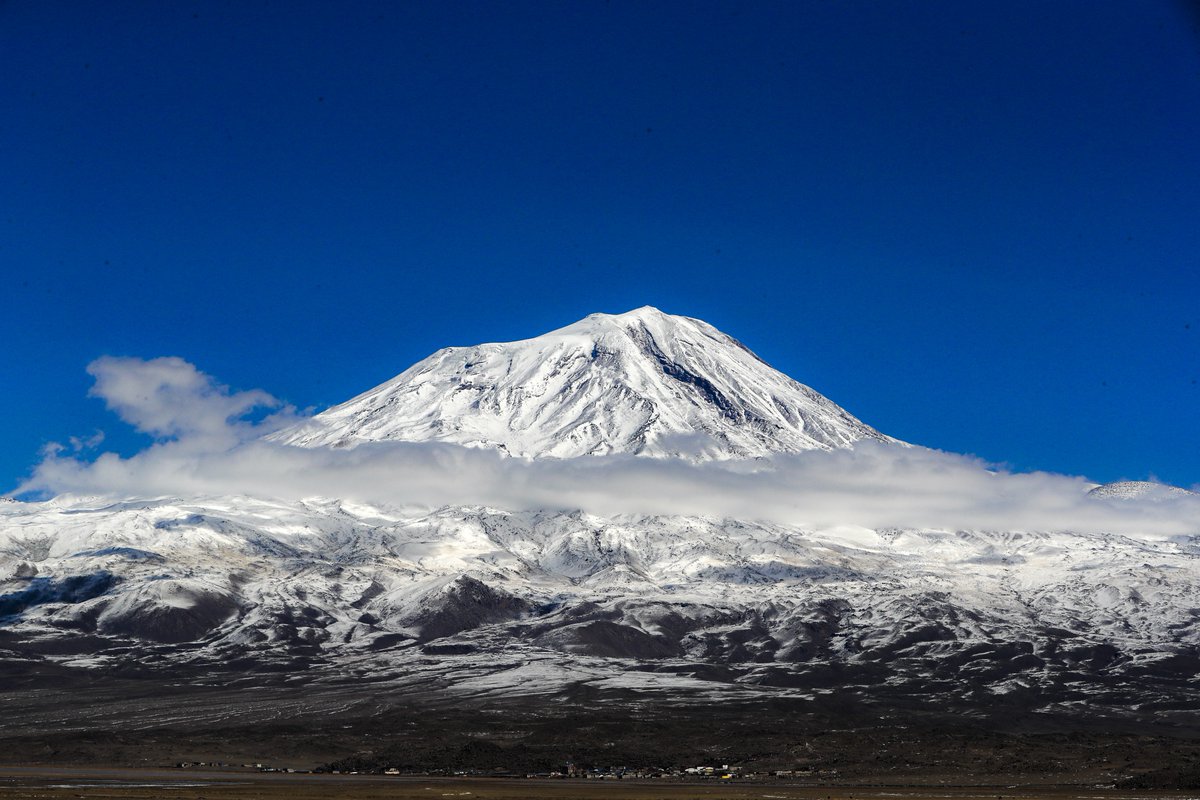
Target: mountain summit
(642, 382)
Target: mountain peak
(646, 316)
(640, 313)
(643, 382)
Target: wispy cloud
(207, 447)
(170, 399)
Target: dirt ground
(58, 722)
(177, 784)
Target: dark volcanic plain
(59, 717)
(145, 784)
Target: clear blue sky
(974, 225)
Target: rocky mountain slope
(491, 602)
(1141, 490)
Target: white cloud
(79, 444)
(170, 399)
(210, 450)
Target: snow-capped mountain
(643, 382)
(483, 602)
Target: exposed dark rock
(171, 623)
(74, 589)
(467, 603)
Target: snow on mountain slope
(498, 595)
(643, 382)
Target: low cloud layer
(207, 447)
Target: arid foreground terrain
(842, 739)
(133, 783)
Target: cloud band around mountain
(207, 447)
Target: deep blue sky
(975, 225)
